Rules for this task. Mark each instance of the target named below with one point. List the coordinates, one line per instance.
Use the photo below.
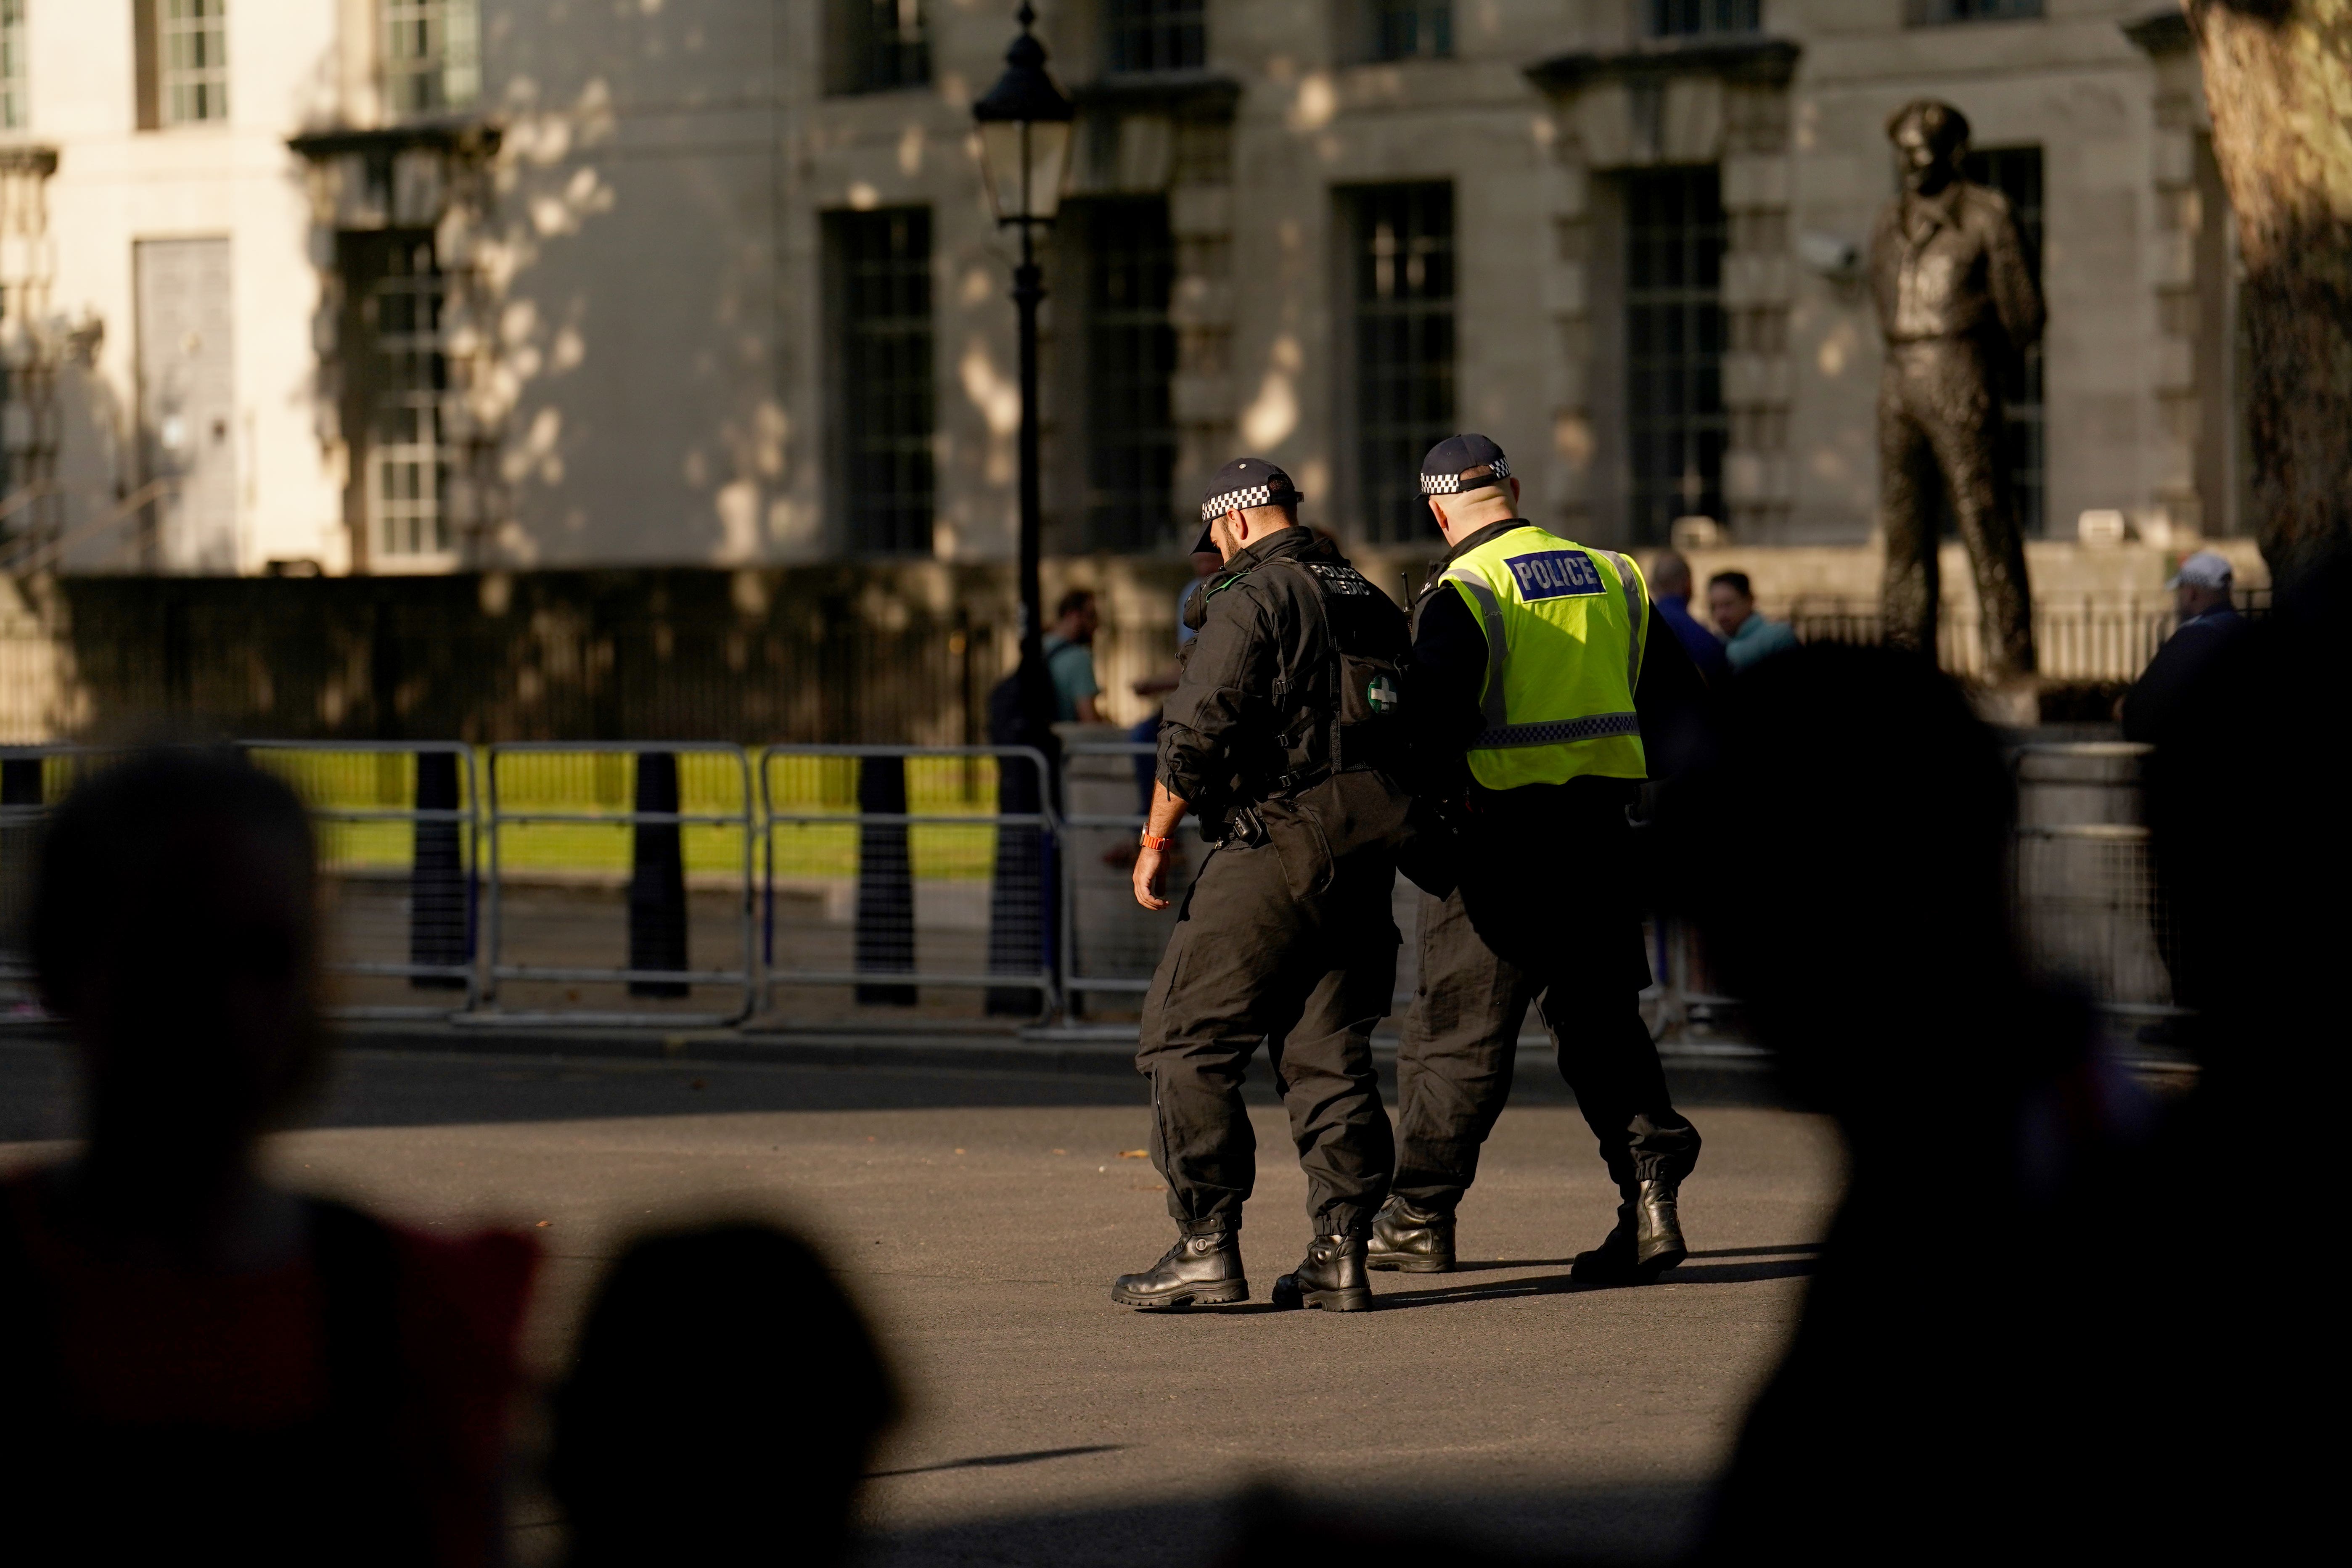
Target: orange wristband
(1150, 842)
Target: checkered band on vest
(1216, 507)
(1476, 480)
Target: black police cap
(1459, 463)
(1244, 482)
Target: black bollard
(658, 881)
(886, 883)
(1020, 894)
(440, 903)
(20, 785)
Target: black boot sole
(1609, 1273)
(1405, 1265)
(1649, 1268)
(1220, 1293)
(1289, 1298)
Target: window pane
(1932, 13)
(407, 380)
(1684, 19)
(1410, 29)
(1130, 268)
(431, 59)
(1401, 258)
(194, 56)
(885, 44)
(1157, 34)
(14, 111)
(885, 262)
(1675, 424)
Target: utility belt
(1242, 822)
(1360, 747)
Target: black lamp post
(1024, 133)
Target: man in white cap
(2207, 621)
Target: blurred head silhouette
(1850, 853)
(723, 1408)
(174, 930)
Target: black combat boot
(1612, 1262)
(1410, 1240)
(1658, 1229)
(1646, 1241)
(1332, 1277)
(1202, 1270)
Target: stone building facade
(498, 284)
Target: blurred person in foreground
(1748, 636)
(1994, 1360)
(1540, 699)
(197, 1363)
(1670, 595)
(2206, 622)
(723, 1407)
(2245, 1331)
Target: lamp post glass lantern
(1024, 134)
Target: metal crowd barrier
(31, 777)
(435, 921)
(914, 884)
(361, 848)
(1110, 943)
(2087, 908)
(890, 870)
(1683, 990)
(660, 924)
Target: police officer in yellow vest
(1534, 675)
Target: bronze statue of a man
(1954, 295)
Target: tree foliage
(2278, 79)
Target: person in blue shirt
(1670, 592)
(1746, 636)
(1205, 564)
(1070, 658)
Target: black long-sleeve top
(1223, 721)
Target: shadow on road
(1560, 1284)
(408, 1086)
(997, 1461)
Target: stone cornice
(467, 137)
(1769, 62)
(1185, 95)
(28, 158)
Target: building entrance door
(187, 404)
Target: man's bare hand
(1150, 875)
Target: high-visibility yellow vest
(1564, 626)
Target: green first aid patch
(1382, 694)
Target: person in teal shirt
(1746, 636)
(1070, 658)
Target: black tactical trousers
(1311, 976)
(1455, 1063)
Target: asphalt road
(980, 1216)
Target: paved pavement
(981, 1214)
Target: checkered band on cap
(1216, 507)
(1476, 479)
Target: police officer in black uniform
(1547, 910)
(1282, 736)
